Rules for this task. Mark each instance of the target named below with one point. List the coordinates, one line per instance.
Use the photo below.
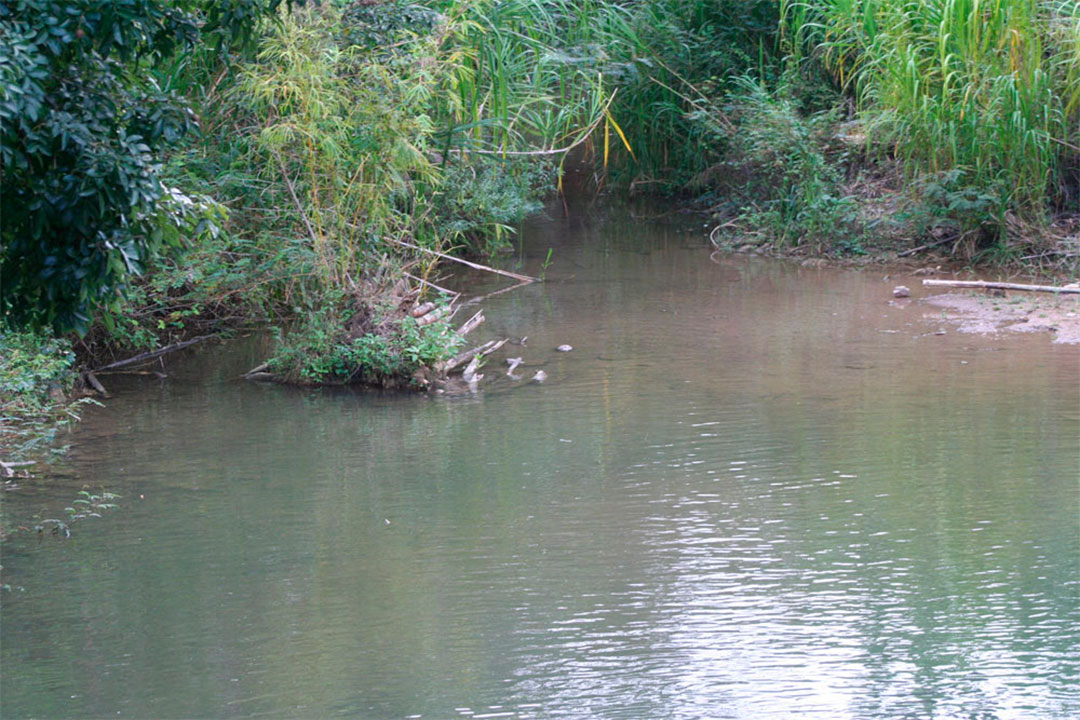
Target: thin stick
(477, 266)
(554, 151)
(912, 251)
(296, 200)
(1001, 286)
(422, 281)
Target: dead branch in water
(153, 353)
(476, 266)
(471, 323)
(1001, 286)
(480, 350)
(8, 467)
(94, 383)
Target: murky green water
(753, 490)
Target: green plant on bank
(37, 377)
(386, 349)
(988, 90)
(779, 159)
(479, 203)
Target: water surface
(752, 490)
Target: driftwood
(96, 384)
(469, 375)
(471, 323)
(1000, 286)
(257, 370)
(431, 316)
(8, 467)
(422, 309)
(480, 350)
(142, 357)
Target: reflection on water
(752, 490)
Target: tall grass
(986, 88)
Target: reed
(988, 88)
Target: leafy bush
(386, 349)
(780, 155)
(36, 369)
(479, 203)
(84, 126)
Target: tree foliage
(84, 127)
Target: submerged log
(96, 384)
(422, 309)
(432, 316)
(471, 323)
(1001, 286)
(9, 467)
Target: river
(752, 490)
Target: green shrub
(478, 203)
(780, 156)
(376, 346)
(36, 371)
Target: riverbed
(751, 490)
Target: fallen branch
(155, 373)
(257, 370)
(476, 266)
(480, 298)
(471, 323)
(480, 350)
(422, 309)
(441, 289)
(96, 384)
(8, 466)
(430, 317)
(1001, 286)
(470, 374)
(153, 354)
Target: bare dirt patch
(977, 312)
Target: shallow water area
(751, 490)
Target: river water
(752, 490)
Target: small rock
(565, 348)
(539, 377)
(901, 291)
